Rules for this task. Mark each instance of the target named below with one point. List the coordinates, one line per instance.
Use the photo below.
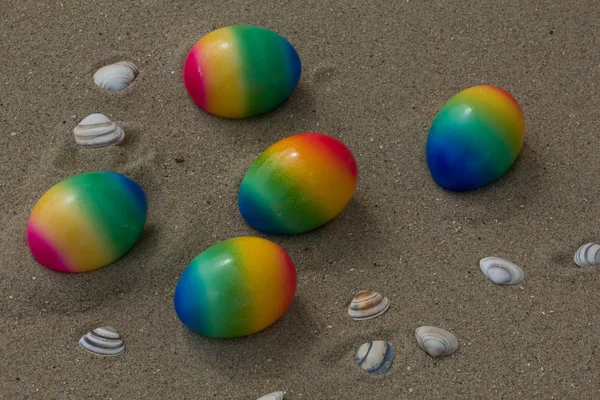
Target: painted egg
(86, 222)
(298, 184)
(235, 288)
(475, 138)
(240, 71)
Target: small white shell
(367, 305)
(116, 76)
(587, 255)
(103, 341)
(272, 396)
(501, 271)
(375, 357)
(96, 130)
(435, 341)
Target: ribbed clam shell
(116, 76)
(587, 255)
(435, 341)
(367, 305)
(272, 396)
(96, 130)
(375, 357)
(501, 271)
(103, 341)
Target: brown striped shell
(368, 305)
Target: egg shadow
(66, 294)
(266, 352)
(352, 235)
(521, 183)
(298, 105)
(563, 259)
(295, 114)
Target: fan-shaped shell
(96, 130)
(501, 271)
(435, 341)
(375, 356)
(116, 76)
(367, 305)
(587, 255)
(272, 396)
(103, 341)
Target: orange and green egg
(298, 184)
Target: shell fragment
(272, 396)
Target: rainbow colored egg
(475, 138)
(86, 222)
(235, 288)
(241, 71)
(298, 184)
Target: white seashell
(501, 271)
(435, 341)
(116, 76)
(96, 130)
(103, 342)
(375, 357)
(587, 255)
(367, 305)
(272, 396)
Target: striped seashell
(116, 76)
(587, 255)
(272, 396)
(435, 341)
(96, 130)
(501, 271)
(103, 341)
(375, 357)
(368, 305)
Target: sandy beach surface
(375, 73)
